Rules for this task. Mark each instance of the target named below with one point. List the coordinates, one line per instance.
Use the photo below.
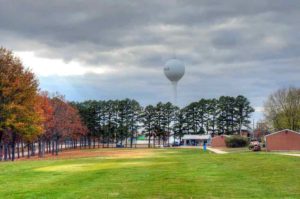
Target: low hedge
(236, 141)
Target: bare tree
(282, 109)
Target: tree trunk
(39, 148)
(1, 147)
(126, 140)
(22, 145)
(131, 140)
(56, 146)
(52, 147)
(28, 150)
(18, 149)
(89, 141)
(43, 148)
(1, 151)
(47, 146)
(8, 152)
(45, 142)
(136, 135)
(5, 151)
(149, 139)
(174, 139)
(107, 141)
(13, 144)
(33, 149)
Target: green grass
(163, 173)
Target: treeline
(31, 122)
(118, 121)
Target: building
(285, 140)
(259, 134)
(196, 140)
(245, 133)
(261, 131)
(218, 141)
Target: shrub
(236, 141)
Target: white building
(196, 140)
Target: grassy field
(160, 173)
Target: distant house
(261, 131)
(218, 141)
(245, 133)
(259, 134)
(196, 140)
(285, 140)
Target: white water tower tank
(174, 70)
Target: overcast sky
(117, 49)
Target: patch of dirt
(100, 152)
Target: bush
(236, 141)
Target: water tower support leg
(174, 84)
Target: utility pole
(253, 130)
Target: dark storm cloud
(230, 47)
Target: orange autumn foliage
(18, 97)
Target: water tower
(174, 70)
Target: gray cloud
(230, 47)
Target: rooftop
(196, 137)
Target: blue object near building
(204, 146)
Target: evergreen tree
(148, 121)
